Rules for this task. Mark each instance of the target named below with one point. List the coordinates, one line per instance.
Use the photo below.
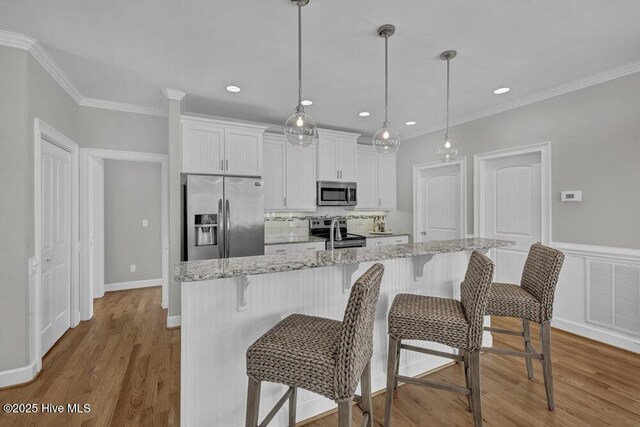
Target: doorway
(54, 302)
(512, 201)
(92, 234)
(440, 195)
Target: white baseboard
(173, 321)
(18, 375)
(122, 286)
(593, 332)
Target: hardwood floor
(126, 365)
(595, 385)
(123, 362)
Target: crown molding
(31, 45)
(121, 106)
(174, 94)
(592, 80)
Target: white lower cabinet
(289, 175)
(376, 179)
(294, 247)
(373, 242)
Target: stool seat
(509, 300)
(300, 351)
(417, 317)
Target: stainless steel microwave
(331, 193)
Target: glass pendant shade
(447, 149)
(300, 129)
(386, 140)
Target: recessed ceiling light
(501, 90)
(234, 89)
(411, 123)
(306, 102)
(364, 114)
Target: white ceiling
(127, 51)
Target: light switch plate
(145, 222)
(571, 196)
(132, 268)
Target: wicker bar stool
(532, 301)
(446, 321)
(327, 357)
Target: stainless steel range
(341, 238)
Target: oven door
(333, 193)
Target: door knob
(47, 260)
(424, 233)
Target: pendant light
(300, 129)
(386, 140)
(448, 148)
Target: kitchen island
(228, 303)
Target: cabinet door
(301, 178)
(202, 148)
(387, 191)
(274, 152)
(243, 153)
(347, 159)
(367, 178)
(327, 156)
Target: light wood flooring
(126, 364)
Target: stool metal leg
(292, 407)
(253, 403)
(394, 350)
(545, 340)
(345, 414)
(474, 365)
(526, 330)
(365, 389)
(397, 372)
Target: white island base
(221, 318)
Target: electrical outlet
(145, 222)
(132, 268)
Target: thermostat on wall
(571, 196)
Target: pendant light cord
(386, 79)
(446, 135)
(299, 54)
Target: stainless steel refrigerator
(224, 217)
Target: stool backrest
(474, 295)
(540, 275)
(356, 338)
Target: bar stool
(446, 321)
(325, 356)
(532, 301)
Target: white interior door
(512, 199)
(96, 227)
(440, 201)
(56, 244)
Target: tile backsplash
(293, 224)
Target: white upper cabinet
(337, 155)
(202, 148)
(275, 185)
(222, 148)
(367, 178)
(387, 191)
(301, 177)
(289, 175)
(376, 179)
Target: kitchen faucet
(338, 235)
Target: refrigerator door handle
(227, 240)
(220, 237)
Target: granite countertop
(293, 239)
(194, 271)
(392, 234)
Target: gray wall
(132, 192)
(595, 138)
(16, 217)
